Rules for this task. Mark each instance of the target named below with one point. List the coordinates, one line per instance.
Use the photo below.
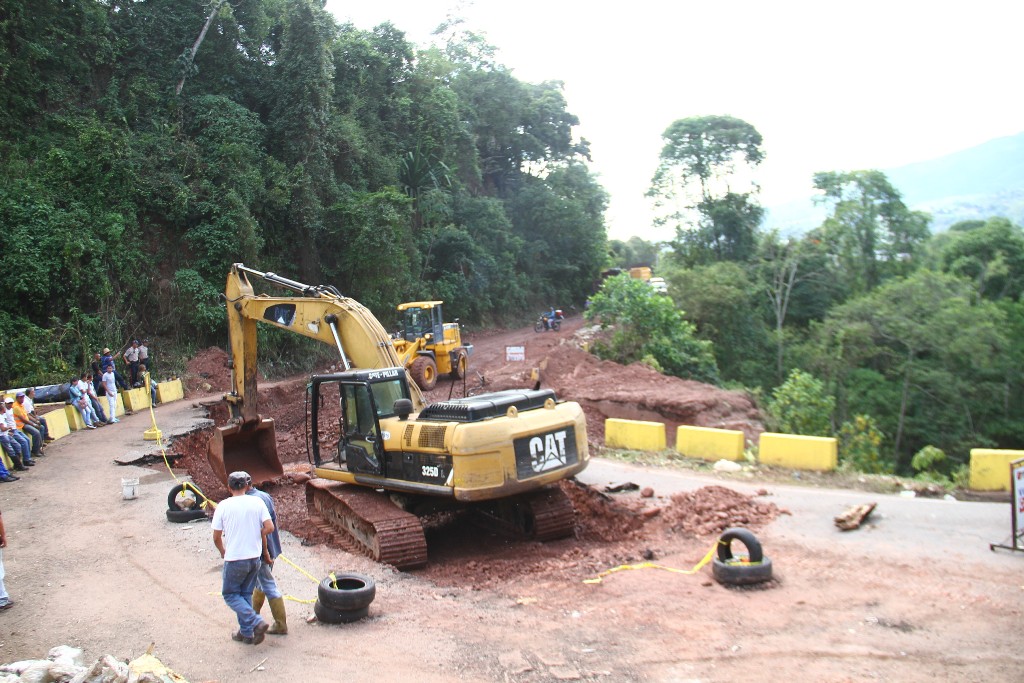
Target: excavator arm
(318, 312)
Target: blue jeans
(21, 441)
(267, 583)
(35, 436)
(238, 578)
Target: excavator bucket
(251, 447)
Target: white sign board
(515, 353)
(1018, 500)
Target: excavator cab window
(362, 437)
(280, 314)
(385, 394)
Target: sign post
(1017, 511)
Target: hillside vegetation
(145, 146)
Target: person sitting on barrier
(12, 449)
(81, 402)
(19, 440)
(38, 420)
(97, 373)
(86, 387)
(27, 428)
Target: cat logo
(545, 452)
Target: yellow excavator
(428, 346)
(380, 457)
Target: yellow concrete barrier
(136, 399)
(634, 435)
(74, 418)
(798, 452)
(710, 444)
(169, 391)
(990, 468)
(56, 422)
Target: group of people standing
(104, 379)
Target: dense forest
(905, 344)
(145, 145)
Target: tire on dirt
(353, 592)
(538, 326)
(556, 325)
(744, 571)
(424, 372)
(182, 516)
(738, 573)
(744, 536)
(329, 615)
(172, 496)
(461, 365)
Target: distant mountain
(980, 182)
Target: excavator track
(375, 525)
(544, 515)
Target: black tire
(745, 537)
(461, 365)
(424, 372)
(354, 591)
(538, 326)
(172, 496)
(734, 573)
(329, 615)
(556, 325)
(182, 516)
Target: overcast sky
(830, 85)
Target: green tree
(936, 343)
(990, 253)
(703, 161)
(801, 405)
(646, 325)
(727, 309)
(871, 233)
(300, 127)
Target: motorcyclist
(549, 318)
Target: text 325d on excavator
(381, 458)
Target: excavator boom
(248, 442)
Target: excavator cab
(357, 400)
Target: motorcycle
(548, 322)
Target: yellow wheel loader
(427, 346)
(381, 458)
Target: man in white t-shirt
(240, 528)
(110, 388)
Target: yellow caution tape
(651, 565)
(300, 569)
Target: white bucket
(129, 489)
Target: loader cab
(345, 413)
(422, 319)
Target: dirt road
(89, 569)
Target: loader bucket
(251, 447)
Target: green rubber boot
(280, 625)
(258, 597)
